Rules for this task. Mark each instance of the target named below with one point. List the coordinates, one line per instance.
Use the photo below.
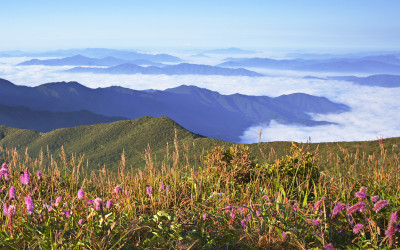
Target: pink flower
(361, 195)
(359, 206)
(380, 204)
(39, 175)
(284, 235)
(5, 209)
(329, 247)
(4, 171)
(315, 222)
(98, 203)
(81, 194)
(390, 232)
(11, 192)
(66, 213)
(375, 198)
(117, 189)
(243, 223)
(108, 205)
(58, 200)
(204, 216)
(363, 190)
(162, 186)
(80, 222)
(148, 190)
(243, 209)
(295, 207)
(233, 213)
(11, 210)
(25, 177)
(29, 204)
(316, 205)
(357, 228)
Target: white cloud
(375, 110)
(374, 114)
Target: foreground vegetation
(307, 198)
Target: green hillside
(103, 144)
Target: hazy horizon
(283, 25)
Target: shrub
(297, 167)
(234, 162)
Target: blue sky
(146, 24)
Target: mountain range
(387, 81)
(96, 53)
(382, 64)
(199, 110)
(44, 121)
(79, 60)
(179, 69)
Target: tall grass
(226, 199)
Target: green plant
(297, 167)
(234, 162)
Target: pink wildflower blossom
(81, 194)
(11, 210)
(5, 209)
(29, 204)
(25, 177)
(390, 232)
(39, 175)
(108, 205)
(361, 195)
(375, 198)
(66, 213)
(357, 228)
(117, 189)
(58, 201)
(359, 206)
(380, 204)
(11, 192)
(98, 203)
(148, 190)
(339, 206)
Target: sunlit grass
(228, 201)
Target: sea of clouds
(374, 110)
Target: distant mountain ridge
(199, 110)
(44, 121)
(387, 81)
(180, 69)
(385, 64)
(79, 60)
(96, 53)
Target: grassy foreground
(230, 201)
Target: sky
(181, 24)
